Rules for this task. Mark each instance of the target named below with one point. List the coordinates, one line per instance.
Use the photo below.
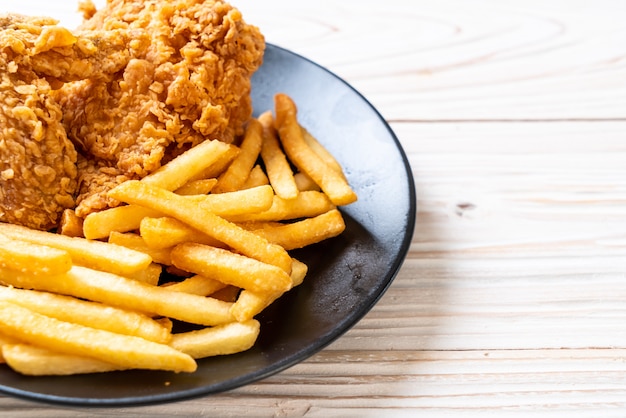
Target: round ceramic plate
(347, 275)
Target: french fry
(168, 232)
(136, 242)
(171, 176)
(307, 204)
(197, 187)
(239, 202)
(33, 258)
(91, 314)
(227, 294)
(197, 216)
(219, 166)
(230, 268)
(301, 154)
(249, 303)
(126, 293)
(5, 340)
(150, 275)
(256, 178)
(305, 183)
(221, 340)
(30, 360)
(238, 171)
(70, 225)
(188, 165)
(196, 285)
(98, 225)
(278, 168)
(215, 211)
(165, 232)
(305, 232)
(322, 152)
(64, 337)
(127, 218)
(93, 254)
(166, 323)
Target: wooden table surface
(512, 300)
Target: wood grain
(512, 300)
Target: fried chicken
(38, 171)
(191, 83)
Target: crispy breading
(38, 172)
(191, 83)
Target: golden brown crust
(191, 83)
(38, 172)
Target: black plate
(347, 275)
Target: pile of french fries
(219, 219)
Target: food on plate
(37, 361)
(97, 286)
(218, 341)
(331, 181)
(177, 173)
(34, 258)
(83, 312)
(196, 216)
(90, 253)
(71, 338)
(279, 172)
(176, 211)
(38, 163)
(192, 82)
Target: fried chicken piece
(38, 172)
(190, 84)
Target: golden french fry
(64, 337)
(94, 254)
(298, 272)
(166, 323)
(305, 232)
(230, 268)
(240, 202)
(221, 340)
(5, 340)
(278, 168)
(167, 232)
(256, 178)
(136, 242)
(307, 204)
(171, 176)
(196, 285)
(197, 187)
(238, 171)
(322, 152)
(70, 225)
(227, 294)
(188, 165)
(37, 361)
(34, 258)
(249, 303)
(125, 293)
(304, 182)
(91, 314)
(150, 275)
(303, 157)
(219, 166)
(126, 218)
(197, 216)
